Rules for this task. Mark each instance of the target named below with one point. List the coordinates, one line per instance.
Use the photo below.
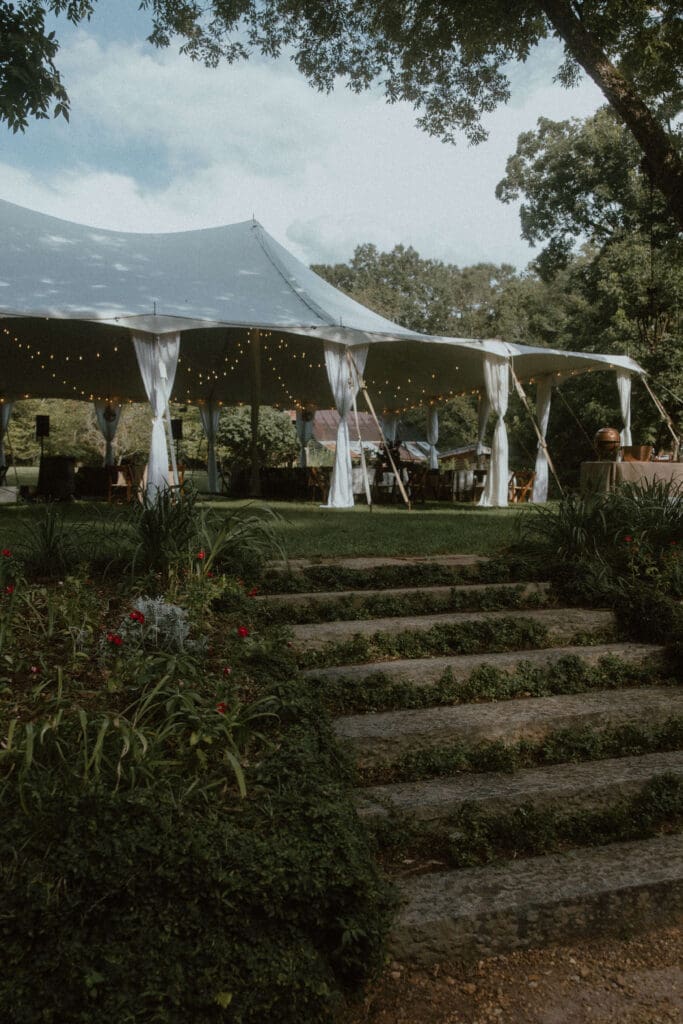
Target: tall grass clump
(171, 527)
(623, 548)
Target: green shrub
(145, 905)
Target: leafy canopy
(450, 60)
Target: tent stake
(541, 440)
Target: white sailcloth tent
(226, 315)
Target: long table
(602, 477)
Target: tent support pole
(366, 396)
(255, 367)
(366, 482)
(666, 418)
(541, 440)
(171, 446)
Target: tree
(448, 58)
(277, 441)
(582, 179)
(612, 247)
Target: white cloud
(195, 147)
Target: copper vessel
(607, 442)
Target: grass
(312, 532)
(308, 531)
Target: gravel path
(607, 981)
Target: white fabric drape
(343, 375)
(108, 417)
(544, 390)
(5, 413)
(433, 435)
(209, 414)
(483, 414)
(496, 378)
(389, 423)
(624, 389)
(157, 359)
(304, 432)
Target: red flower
(7, 553)
(114, 639)
(137, 616)
(674, 543)
(210, 575)
(34, 670)
(242, 631)
(9, 589)
(221, 707)
(628, 538)
(227, 670)
(201, 555)
(253, 592)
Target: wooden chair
(318, 483)
(520, 486)
(446, 486)
(418, 477)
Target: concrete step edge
(561, 622)
(584, 786)
(384, 737)
(331, 596)
(564, 897)
(426, 671)
(370, 561)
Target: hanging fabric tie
(389, 422)
(433, 435)
(209, 414)
(157, 359)
(344, 376)
(624, 389)
(5, 414)
(483, 413)
(544, 390)
(304, 432)
(107, 416)
(496, 378)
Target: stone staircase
(459, 748)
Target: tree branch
(664, 163)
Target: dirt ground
(607, 981)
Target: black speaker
(177, 430)
(42, 427)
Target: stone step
(359, 597)
(428, 671)
(570, 787)
(483, 911)
(562, 624)
(383, 737)
(372, 562)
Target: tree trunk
(664, 163)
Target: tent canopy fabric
(71, 298)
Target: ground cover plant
(378, 606)
(558, 746)
(500, 634)
(569, 674)
(474, 835)
(178, 843)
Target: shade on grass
(312, 532)
(309, 531)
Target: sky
(158, 143)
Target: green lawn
(309, 531)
